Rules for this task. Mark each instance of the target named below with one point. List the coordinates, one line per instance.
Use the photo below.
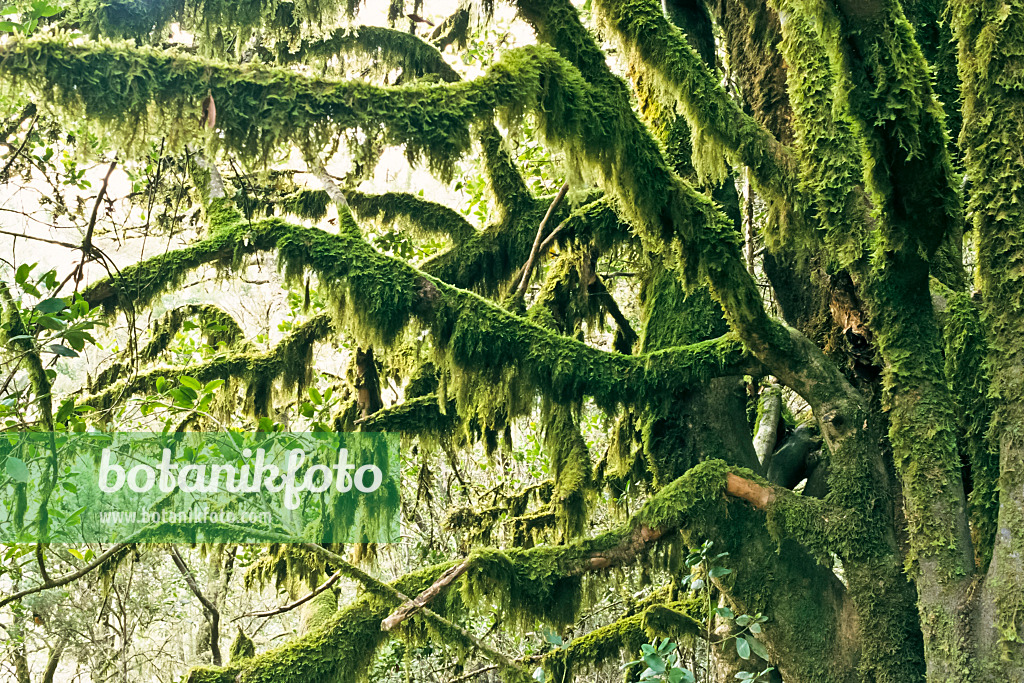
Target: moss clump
(525, 584)
(241, 648)
(625, 635)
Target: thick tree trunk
(991, 39)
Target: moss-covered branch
(420, 215)
(656, 45)
(991, 47)
(287, 361)
(381, 295)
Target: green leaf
(719, 571)
(21, 275)
(743, 619)
(17, 469)
(50, 323)
(62, 350)
(656, 663)
(52, 305)
(65, 411)
(315, 395)
(758, 648)
(191, 383)
(725, 613)
(742, 647)
(212, 386)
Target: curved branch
(212, 612)
(384, 294)
(296, 603)
(282, 361)
(66, 579)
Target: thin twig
(292, 605)
(416, 604)
(524, 276)
(17, 152)
(87, 242)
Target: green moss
(525, 585)
(149, 19)
(720, 125)
(241, 648)
(288, 362)
(419, 215)
(608, 643)
(340, 650)
(991, 39)
(965, 350)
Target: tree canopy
(701, 322)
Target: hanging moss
(991, 38)
(677, 620)
(150, 19)
(288, 362)
(965, 351)
(420, 216)
(338, 651)
(388, 48)
(718, 124)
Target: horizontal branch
(381, 296)
(422, 216)
(331, 580)
(287, 361)
(66, 579)
(684, 501)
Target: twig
(87, 242)
(66, 245)
(17, 152)
(502, 660)
(292, 605)
(420, 601)
(524, 276)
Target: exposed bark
(212, 613)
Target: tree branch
(523, 280)
(301, 601)
(66, 579)
(212, 612)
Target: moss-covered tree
(823, 203)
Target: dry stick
(87, 242)
(524, 277)
(66, 245)
(63, 580)
(214, 613)
(358, 574)
(292, 605)
(421, 600)
(17, 152)
(738, 487)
